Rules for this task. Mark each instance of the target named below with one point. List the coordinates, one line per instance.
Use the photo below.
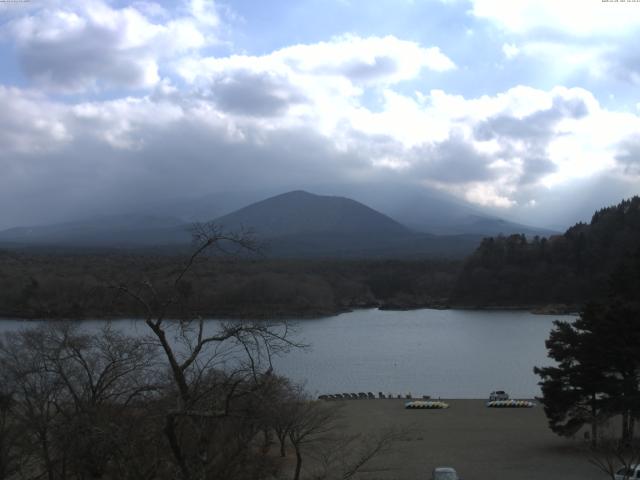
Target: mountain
(418, 208)
(300, 212)
(294, 224)
(104, 231)
(487, 225)
(301, 224)
(429, 211)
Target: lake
(442, 353)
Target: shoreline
(547, 309)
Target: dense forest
(85, 286)
(515, 271)
(565, 269)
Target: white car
(628, 473)
(444, 473)
(498, 395)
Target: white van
(498, 395)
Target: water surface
(442, 353)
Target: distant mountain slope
(300, 212)
(418, 208)
(107, 231)
(428, 211)
(487, 226)
(295, 224)
(301, 224)
(570, 268)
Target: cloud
(330, 112)
(87, 45)
(30, 124)
(628, 156)
(536, 127)
(625, 65)
(453, 161)
(574, 17)
(510, 51)
(489, 150)
(360, 61)
(364, 60)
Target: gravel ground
(481, 443)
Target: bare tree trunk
(283, 452)
(47, 458)
(594, 422)
(170, 432)
(266, 446)
(296, 475)
(625, 427)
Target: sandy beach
(481, 443)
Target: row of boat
(494, 404)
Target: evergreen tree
(597, 375)
(574, 391)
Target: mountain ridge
(295, 223)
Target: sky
(526, 109)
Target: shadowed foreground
(481, 443)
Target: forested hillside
(570, 269)
(82, 286)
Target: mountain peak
(301, 212)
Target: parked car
(628, 473)
(444, 473)
(498, 395)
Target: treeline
(569, 269)
(85, 286)
(513, 271)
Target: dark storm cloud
(258, 94)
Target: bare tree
(70, 391)
(9, 436)
(205, 398)
(311, 422)
(315, 430)
(36, 392)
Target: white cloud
(510, 51)
(361, 61)
(301, 113)
(30, 124)
(575, 17)
(482, 149)
(78, 45)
